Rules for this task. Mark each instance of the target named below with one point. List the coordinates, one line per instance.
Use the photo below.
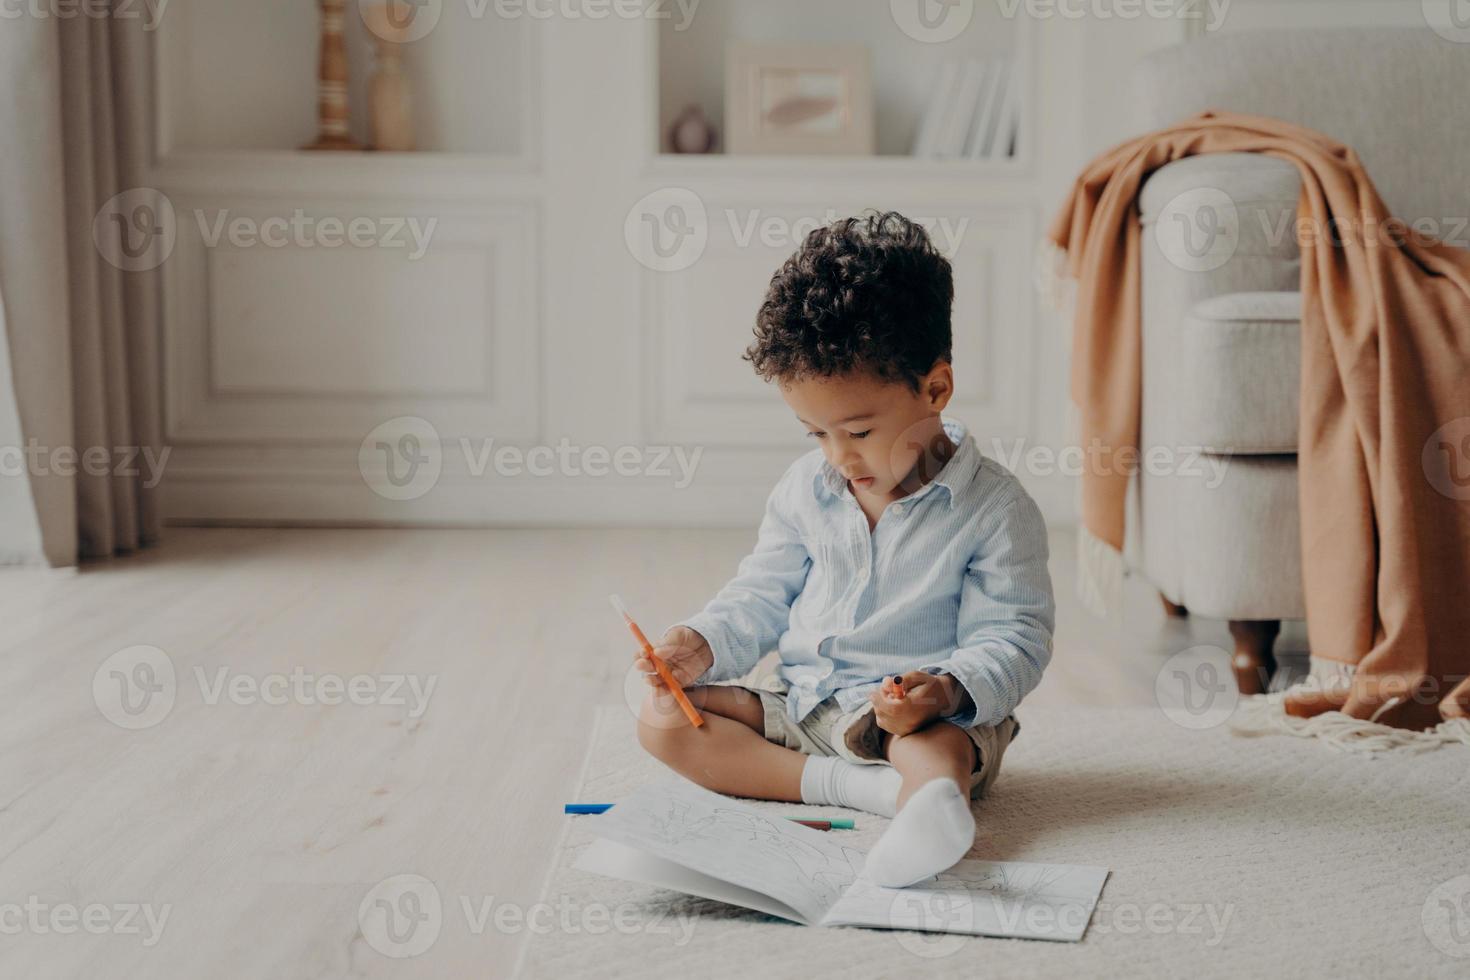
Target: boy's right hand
(686, 653)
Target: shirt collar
(954, 476)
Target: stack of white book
(974, 112)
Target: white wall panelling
(698, 321)
(528, 322)
(1247, 15)
(279, 361)
(280, 358)
(302, 343)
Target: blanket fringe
(1058, 290)
(1099, 573)
(1100, 567)
(1264, 714)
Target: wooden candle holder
(332, 83)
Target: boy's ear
(938, 385)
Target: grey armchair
(1220, 306)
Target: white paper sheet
(674, 819)
(606, 857)
(674, 834)
(981, 898)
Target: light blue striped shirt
(951, 580)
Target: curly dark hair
(865, 294)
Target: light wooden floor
(261, 827)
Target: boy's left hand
(925, 698)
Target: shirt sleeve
(751, 612)
(1007, 614)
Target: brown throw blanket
(1385, 367)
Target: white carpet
(1230, 857)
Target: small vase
(691, 132)
(389, 106)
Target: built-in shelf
(802, 167)
(359, 159)
(242, 77)
(691, 61)
(281, 360)
(288, 173)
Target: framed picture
(798, 98)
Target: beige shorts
(855, 736)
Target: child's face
(885, 438)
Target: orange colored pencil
(672, 683)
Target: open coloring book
(674, 834)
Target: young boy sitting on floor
(894, 551)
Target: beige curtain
(79, 369)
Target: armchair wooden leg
(1171, 610)
(1253, 662)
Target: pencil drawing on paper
(1028, 885)
(771, 845)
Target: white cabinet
(520, 352)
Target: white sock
(933, 830)
(830, 781)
